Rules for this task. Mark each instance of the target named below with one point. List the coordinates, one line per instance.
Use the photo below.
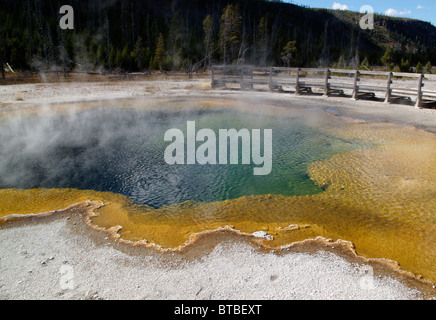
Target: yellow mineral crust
(382, 199)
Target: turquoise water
(122, 151)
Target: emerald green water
(122, 151)
(294, 146)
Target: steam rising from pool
(122, 151)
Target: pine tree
(230, 33)
(428, 67)
(125, 58)
(160, 53)
(139, 53)
(404, 65)
(387, 58)
(263, 34)
(208, 28)
(340, 64)
(419, 68)
(288, 52)
(112, 57)
(118, 59)
(175, 40)
(151, 63)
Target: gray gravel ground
(50, 261)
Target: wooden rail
(391, 85)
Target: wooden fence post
(213, 77)
(242, 77)
(355, 86)
(419, 92)
(297, 84)
(251, 75)
(326, 86)
(388, 88)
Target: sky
(417, 9)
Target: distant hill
(137, 35)
(400, 33)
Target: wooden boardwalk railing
(391, 85)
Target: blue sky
(417, 9)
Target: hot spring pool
(122, 151)
(371, 184)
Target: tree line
(133, 35)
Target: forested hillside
(137, 35)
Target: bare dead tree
(2, 54)
(63, 52)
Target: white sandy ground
(27, 95)
(49, 261)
